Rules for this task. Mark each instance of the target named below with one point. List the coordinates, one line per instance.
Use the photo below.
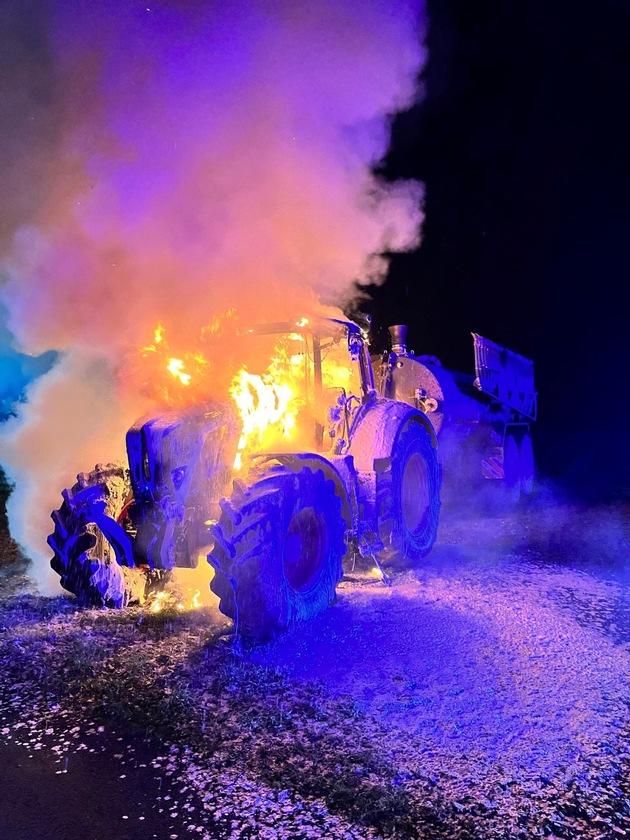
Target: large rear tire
(278, 551)
(89, 543)
(408, 494)
(512, 471)
(526, 457)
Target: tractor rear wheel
(89, 543)
(512, 471)
(278, 550)
(526, 457)
(408, 495)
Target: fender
(336, 470)
(377, 428)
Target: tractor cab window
(286, 385)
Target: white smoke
(200, 157)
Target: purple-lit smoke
(192, 157)
(209, 152)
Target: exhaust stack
(398, 334)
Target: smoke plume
(176, 160)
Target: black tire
(278, 551)
(526, 458)
(408, 494)
(87, 555)
(512, 471)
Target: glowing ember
(173, 599)
(159, 602)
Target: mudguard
(377, 428)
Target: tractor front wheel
(92, 550)
(279, 546)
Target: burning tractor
(367, 478)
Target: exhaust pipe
(398, 335)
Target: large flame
(271, 398)
(279, 406)
(269, 404)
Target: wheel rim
(303, 550)
(414, 493)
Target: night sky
(522, 141)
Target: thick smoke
(187, 158)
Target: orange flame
(175, 376)
(159, 602)
(262, 402)
(269, 403)
(176, 368)
(169, 599)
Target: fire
(159, 602)
(339, 375)
(269, 400)
(177, 375)
(262, 402)
(176, 368)
(214, 329)
(172, 599)
(269, 403)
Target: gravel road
(483, 695)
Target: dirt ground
(481, 695)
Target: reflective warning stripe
(492, 468)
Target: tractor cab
(299, 386)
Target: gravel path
(484, 695)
